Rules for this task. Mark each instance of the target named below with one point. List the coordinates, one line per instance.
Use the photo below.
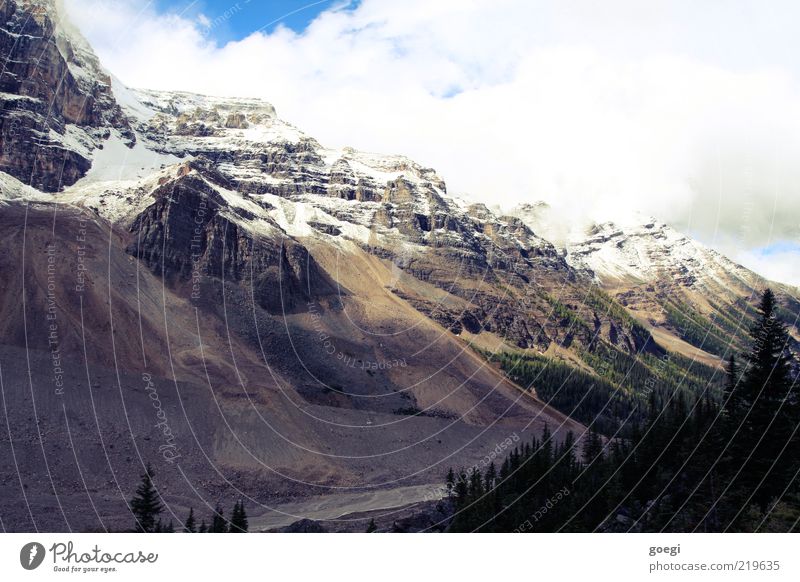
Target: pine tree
(203, 527)
(218, 522)
(450, 482)
(491, 477)
(773, 407)
(239, 522)
(592, 447)
(190, 526)
(461, 489)
(244, 524)
(729, 445)
(732, 395)
(371, 528)
(475, 484)
(146, 504)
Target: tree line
(689, 462)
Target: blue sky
(236, 19)
(781, 248)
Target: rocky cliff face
(191, 231)
(56, 103)
(390, 206)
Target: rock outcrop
(56, 102)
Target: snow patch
(117, 162)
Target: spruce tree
(491, 477)
(190, 526)
(146, 504)
(461, 489)
(450, 482)
(218, 522)
(732, 393)
(238, 518)
(371, 528)
(203, 527)
(729, 445)
(592, 447)
(772, 407)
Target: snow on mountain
(271, 171)
(634, 249)
(12, 190)
(650, 250)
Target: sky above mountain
(688, 111)
(223, 21)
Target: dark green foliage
(146, 504)
(450, 482)
(763, 410)
(239, 522)
(371, 528)
(618, 397)
(603, 304)
(705, 334)
(567, 316)
(190, 526)
(218, 522)
(719, 459)
(584, 397)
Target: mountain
(193, 282)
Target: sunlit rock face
(56, 101)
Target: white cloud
(777, 266)
(689, 112)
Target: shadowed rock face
(56, 103)
(190, 231)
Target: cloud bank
(687, 111)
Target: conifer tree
(190, 526)
(772, 407)
(371, 528)
(461, 489)
(218, 522)
(491, 477)
(732, 394)
(592, 447)
(146, 504)
(239, 522)
(450, 482)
